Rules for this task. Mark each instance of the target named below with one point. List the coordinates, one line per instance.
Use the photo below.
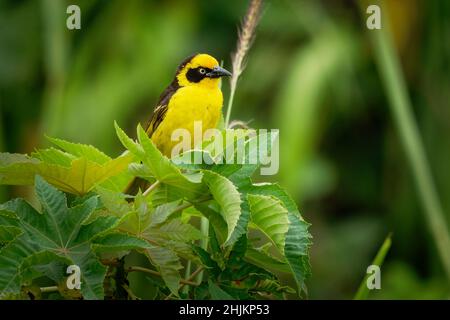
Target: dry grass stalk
(246, 35)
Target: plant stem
(186, 275)
(204, 228)
(130, 293)
(246, 36)
(191, 277)
(230, 104)
(151, 188)
(396, 90)
(49, 289)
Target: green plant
(363, 290)
(400, 103)
(256, 232)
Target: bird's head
(200, 70)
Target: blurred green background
(310, 73)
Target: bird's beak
(218, 72)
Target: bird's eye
(202, 71)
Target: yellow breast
(187, 105)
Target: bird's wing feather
(161, 109)
(157, 117)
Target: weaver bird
(193, 95)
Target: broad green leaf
(8, 233)
(270, 217)
(8, 218)
(11, 257)
(140, 170)
(44, 263)
(242, 223)
(175, 230)
(298, 239)
(17, 169)
(296, 250)
(79, 178)
(83, 175)
(238, 269)
(81, 150)
(54, 156)
(163, 212)
(149, 225)
(160, 166)
(118, 182)
(210, 264)
(264, 260)
(168, 264)
(228, 198)
(274, 287)
(7, 159)
(186, 160)
(128, 143)
(114, 242)
(58, 230)
(217, 293)
(212, 213)
(113, 201)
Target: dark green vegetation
(255, 231)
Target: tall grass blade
(399, 101)
(363, 290)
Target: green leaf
(8, 233)
(58, 230)
(81, 150)
(363, 290)
(150, 225)
(78, 178)
(273, 286)
(298, 239)
(264, 260)
(211, 265)
(168, 264)
(163, 212)
(128, 143)
(114, 242)
(54, 156)
(228, 198)
(217, 293)
(175, 230)
(238, 269)
(17, 169)
(114, 202)
(11, 257)
(270, 217)
(215, 218)
(44, 263)
(165, 193)
(296, 250)
(160, 166)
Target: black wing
(161, 108)
(160, 111)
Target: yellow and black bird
(193, 95)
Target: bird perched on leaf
(193, 95)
